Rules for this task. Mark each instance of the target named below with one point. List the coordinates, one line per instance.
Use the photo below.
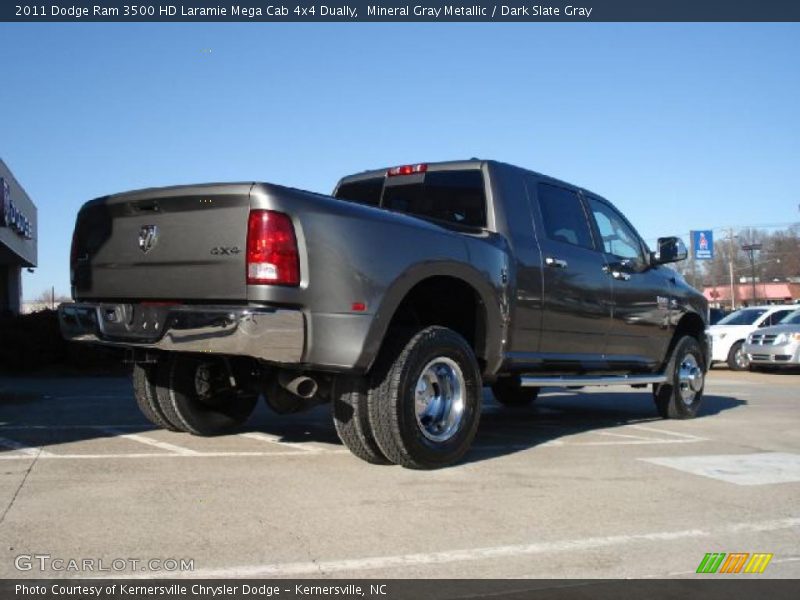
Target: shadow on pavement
(52, 412)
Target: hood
(776, 329)
(718, 329)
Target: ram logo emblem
(148, 236)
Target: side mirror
(670, 249)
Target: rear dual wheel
(192, 394)
(420, 406)
(351, 418)
(144, 391)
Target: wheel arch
(450, 294)
(691, 324)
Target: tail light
(407, 170)
(272, 256)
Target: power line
(739, 227)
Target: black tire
(351, 418)
(737, 359)
(677, 400)
(508, 392)
(217, 410)
(144, 391)
(392, 400)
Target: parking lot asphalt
(588, 483)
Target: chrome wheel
(439, 399)
(690, 379)
(741, 359)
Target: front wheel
(425, 401)
(737, 358)
(680, 396)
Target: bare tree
(51, 298)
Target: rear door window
(563, 216)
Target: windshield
(746, 316)
(791, 318)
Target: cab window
(617, 236)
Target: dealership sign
(703, 245)
(11, 216)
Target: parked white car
(729, 334)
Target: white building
(17, 239)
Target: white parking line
(687, 436)
(274, 439)
(25, 450)
(327, 567)
(160, 455)
(135, 433)
(759, 468)
(634, 442)
(624, 435)
(136, 437)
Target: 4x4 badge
(148, 236)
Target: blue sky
(683, 126)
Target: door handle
(555, 262)
(616, 273)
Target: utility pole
(730, 268)
(750, 249)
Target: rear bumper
(273, 335)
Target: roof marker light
(407, 170)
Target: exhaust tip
(299, 385)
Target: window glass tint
(618, 238)
(453, 196)
(407, 198)
(563, 216)
(792, 318)
(777, 316)
(366, 191)
(745, 316)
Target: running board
(530, 381)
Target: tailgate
(180, 243)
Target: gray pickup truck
(396, 299)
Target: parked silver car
(778, 345)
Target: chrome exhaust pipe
(299, 385)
